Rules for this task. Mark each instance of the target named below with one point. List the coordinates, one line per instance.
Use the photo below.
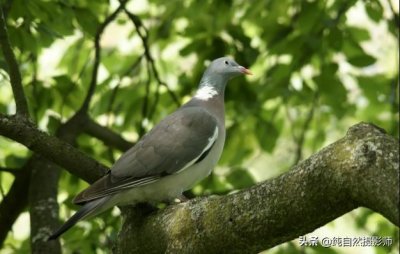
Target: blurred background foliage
(319, 67)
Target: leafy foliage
(298, 50)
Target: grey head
(220, 71)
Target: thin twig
(34, 84)
(6, 9)
(306, 125)
(74, 82)
(156, 99)
(97, 56)
(15, 75)
(112, 99)
(12, 171)
(291, 121)
(109, 137)
(2, 193)
(145, 100)
(116, 88)
(300, 139)
(395, 15)
(23, 131)
(144, 37)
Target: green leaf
(310, 16)
(76, 57)
(374, 10)
(361, 219)
(375, 87)
(214, 184)
(267, 135)
(276, 34)
(238, 137)
(358, 33)
(191, 47)
(240, 178)
(118, 64)
(46, 35)
(14, 161)
(352, 48)
(278, 78)
(320, 249)
(335, 38)
(54, 123)
(332, 91)
(362, 60)
(288, 248)
(64, 84)
(23, 39)
(87, 20)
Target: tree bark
(44, 173)
(361, 169)
(13, 69)
(54, 149)
(43, 206)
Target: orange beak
(245, 71)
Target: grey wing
(173, 145)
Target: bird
(172, 157)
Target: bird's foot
(181, 199)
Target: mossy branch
(361, 169)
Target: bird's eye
(226, 62)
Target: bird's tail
(89, 209)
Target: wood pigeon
(177, 153)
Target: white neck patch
(205, 93)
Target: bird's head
(227, 68)
(218, 73)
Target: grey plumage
(158, 153)
(181, 150)
(87, 210)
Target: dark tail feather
(86, 210)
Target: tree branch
(396, 19)
(306, 124)
(12, 171)
(97, 56)
(43, 203)
(144, 37)
(45, 174)
(109, 137)
(15, 75)
(43, 206)
(361, 169)
(133, 67)
(54, 149)
(44, 190)
(44, 182)
(14, 202)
